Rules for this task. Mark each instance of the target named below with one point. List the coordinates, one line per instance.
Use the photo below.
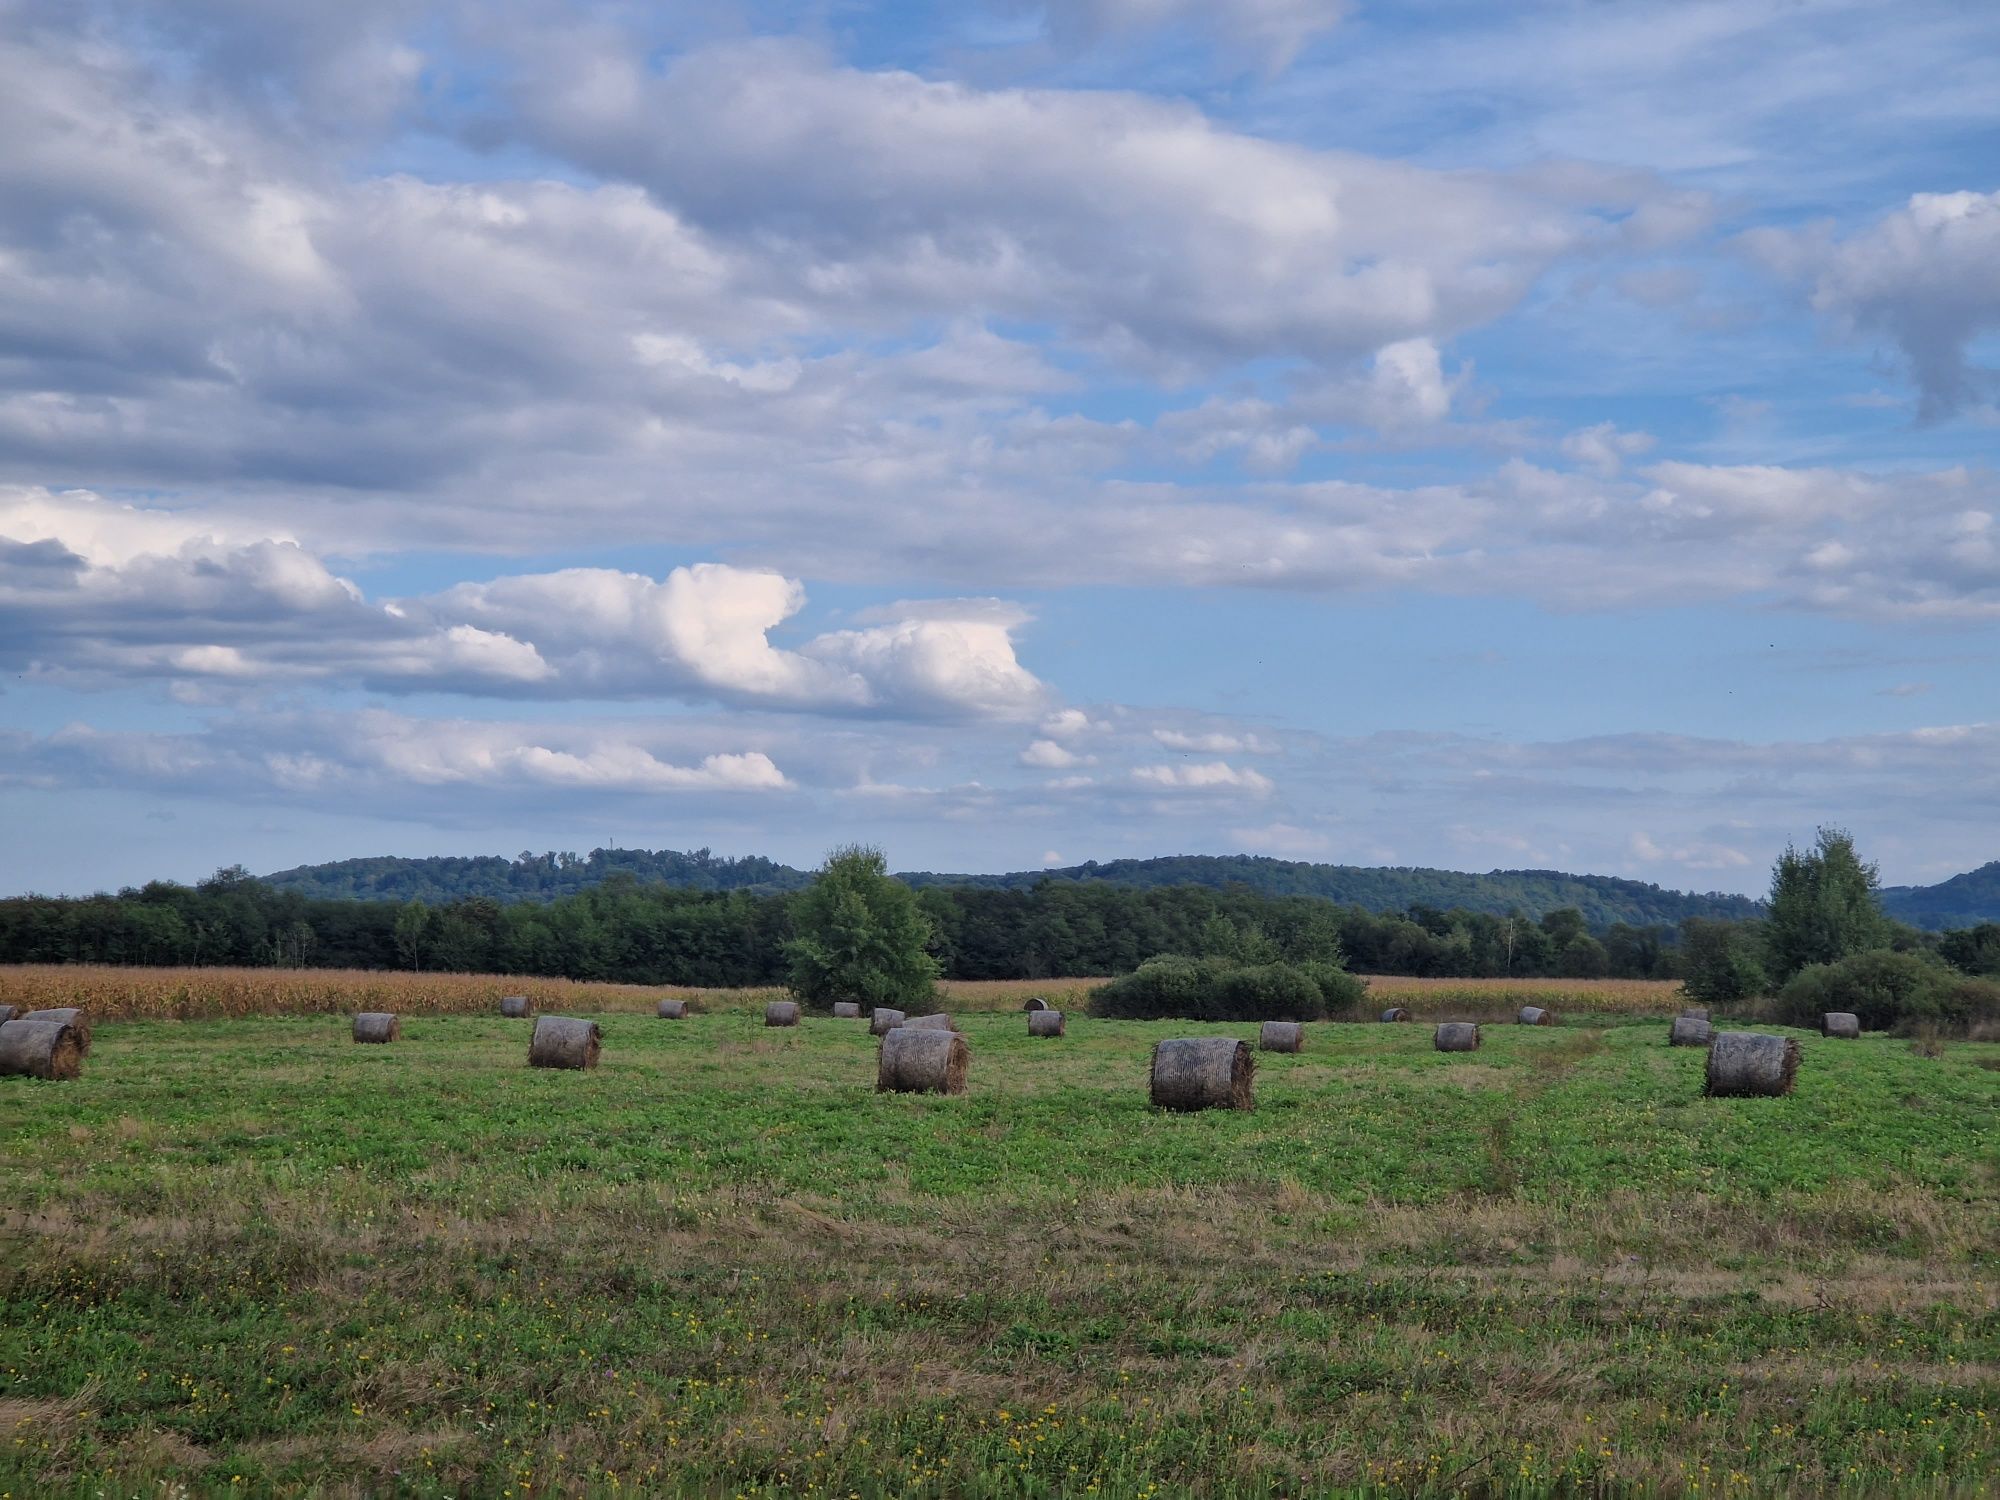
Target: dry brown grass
(112, 992)
(1501, 999)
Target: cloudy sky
(1553, 434)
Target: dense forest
(1962, 901)
(1603, 900)
(643, 932)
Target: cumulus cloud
(1922, 275)
(1208, 776)
(1213, 742)
(1047, 755)
(203, 607)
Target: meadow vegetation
(246, 1254)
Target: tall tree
(1822, 906)
(861, 936)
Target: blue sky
(1558, 434)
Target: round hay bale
(1281, 1036)
(7, 1013)
(673, 1010)
(1840, 1023)
(1395, 1013)
(1691, 1031)
(515, 1007)
(883, 1020)
(1696, 1012)
(846, 1010)
(921, 1061)
(1744, 1064)
(1535, 1015)
(1456, 1036)
(1046, 1023)
(1036, 1002)
(782, 1013)
(72, 1016)
(377, 1026)
(1205, 1072)
(565, 1042)
(40, 1049)
(938, 1022)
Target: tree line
(646, 933)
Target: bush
(1344, 993)
(1887, 991)
(1208, 989)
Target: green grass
(251, 1255)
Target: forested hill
(1602, 899)
(1962, 901)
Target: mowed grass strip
(252, 1253)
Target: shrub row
(1210, 989)
(1887, 991)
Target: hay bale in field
(883, 1020)
(32, 1048)
(73, 1016)
(1036, 1002)
(1696, 1013)
(1840, 1023)
(938, 1022)
(782, 1013)
(673, 1010)
(1743, 1064)
(1535, 1015)
(514, 1007)
(1205, 1072)
(377, 1026)
(565, 1042)
(1281, 1036)
(1046, 1023)
(1456, 1036)
(1395, 1013)
(846, 1010)
(7, 1013)
(1691, 1031)
(927, 1061)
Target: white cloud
(1213, 743)
(1604, 448)
(1047, 755)
(1696, 856)
(1208, 776)
(1923, 275)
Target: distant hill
(1603, 899)
(1962, 901)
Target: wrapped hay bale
(31, 1048)
(883, 1020)
(782, 1013)
(937, 1022)
(565, 1042)
(1535, 1015)
(1281, 1036)
(72, 1016)
(1744, 1064)
(921, 1061)
(1036, 1002)
(1395, 1013)
(1046, 1023)
(1207, 1072)
(846, 1010)
(1691, 1031)
(515, 1007)
(1456, 1036)
(377, 1026)
(1696, 1012)
(673, 1010)
(1840, 1023)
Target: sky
(1551, 435)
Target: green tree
(860, 936)
(1720, 961)
(413, 925)
(1822, 906)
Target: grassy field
(248, 1255)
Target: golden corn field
(112, 992)
(1479, 999)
